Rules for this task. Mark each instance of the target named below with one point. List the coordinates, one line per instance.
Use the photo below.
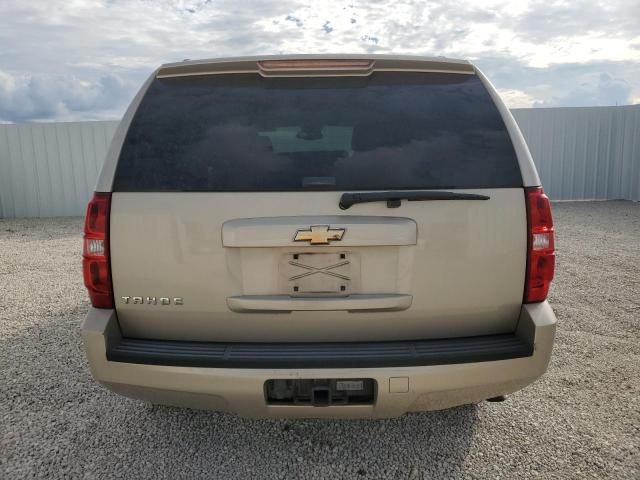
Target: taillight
(95, 252)
(540, 246)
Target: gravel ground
(582, 420)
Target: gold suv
(318, 236)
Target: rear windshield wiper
(394, 198)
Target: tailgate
(225, 220)
(441, 269)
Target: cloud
(85, 58)
(369, 38)
(326, 27)
(564, 85)
(542, 20)
(297, 21)
(516, 98)
(602, 91)
(44, 97)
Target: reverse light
(542, 240)
(540, 246)
(95, 252)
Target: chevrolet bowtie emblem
(319, 235)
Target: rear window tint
(249, 133)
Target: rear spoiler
(315, 65)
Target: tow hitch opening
(321, 392)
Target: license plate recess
(317, 274)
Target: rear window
(389, 130)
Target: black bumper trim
(320, 355)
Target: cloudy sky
(85, 59)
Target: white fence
(586, 152)
(49, 169)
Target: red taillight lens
(540, 246)
(95, 252)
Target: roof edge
(251, 64)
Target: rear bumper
(410, 376)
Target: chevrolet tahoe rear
(313, 236)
